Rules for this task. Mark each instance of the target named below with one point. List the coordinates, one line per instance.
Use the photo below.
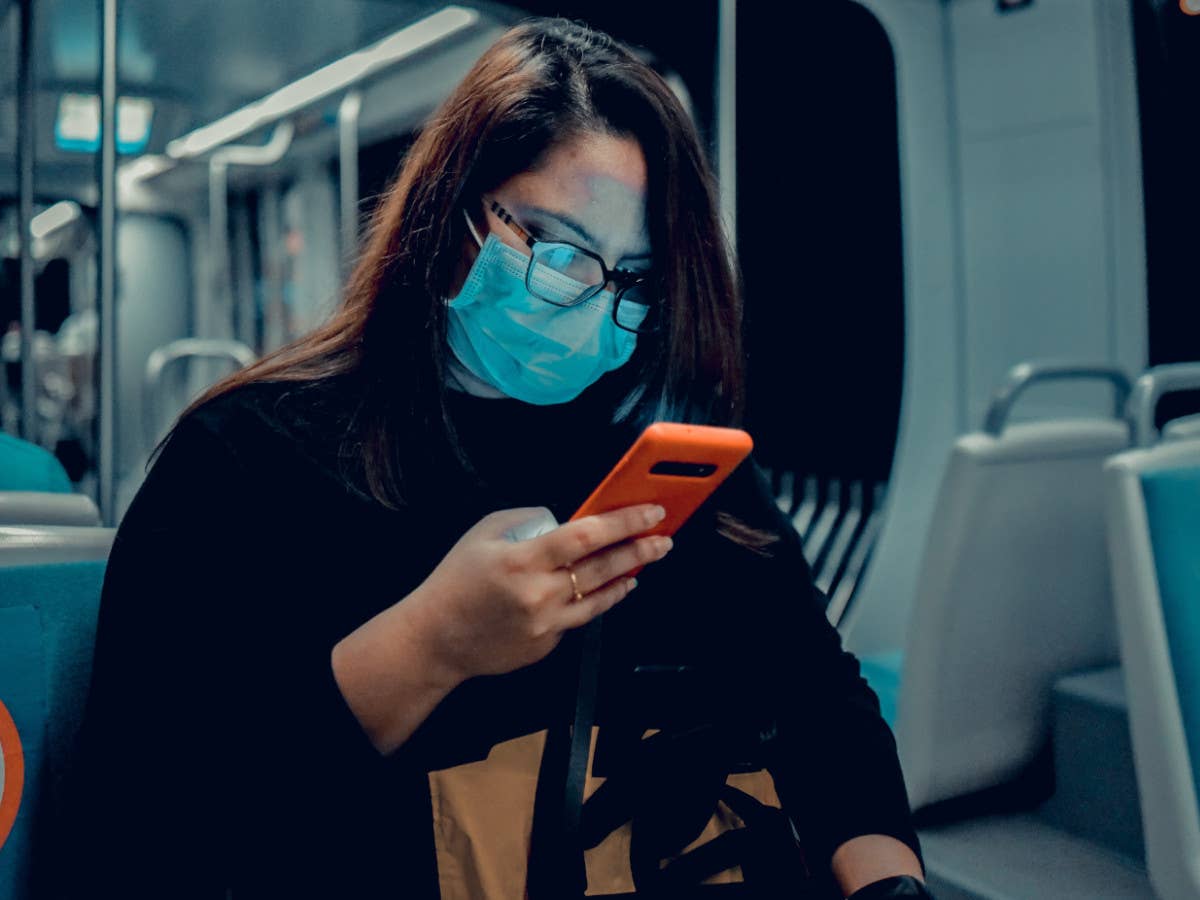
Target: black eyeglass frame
(622, 279)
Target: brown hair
(543, 82)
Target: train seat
(1013, 593)
(1153, 508)
(28, 467)
(44, 508)
(50, 580)
(882, 671)
(1182, 428)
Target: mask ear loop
(471, 227)
(474, 234)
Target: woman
(317, 647)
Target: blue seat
(1153, 513)
(28, 467)
(22, 735)
(50, 581)
(882, 672)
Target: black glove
(895, 887)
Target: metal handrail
(1024, 374)
(218, 206)
(25, 545)
(348, 115)
(1152, 387)
(41, 508)
(186, 348)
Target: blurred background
(1017, 173)
(922, 194)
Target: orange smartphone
(676, 466)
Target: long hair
(544, 82)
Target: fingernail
(630, 584)
(663, 545)
(656, 514)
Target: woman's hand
(494, 605)
(491, 606)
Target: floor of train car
(1021, 857)
(1069, 830)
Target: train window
(819, 240)
(1167, 37)
(63, 342)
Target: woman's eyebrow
(566, 221)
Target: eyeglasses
(565, 275)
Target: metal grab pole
(218, 219)
(275, 331)
(107, 177)
(25, 150)
(727, 114)
(348, 113)
(220, 310)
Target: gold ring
(574, 584)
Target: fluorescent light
(134, 115)
(327, 80)
(56, 216)
(77, 126)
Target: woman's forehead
(598, 159)
(598, 180)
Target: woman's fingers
(498, 523)
(601, 568)
(573, 541)
(580, 612)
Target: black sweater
(216, 747)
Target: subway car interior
(965, 231)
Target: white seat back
(1014, 592)
(38, 508)
(40, 545)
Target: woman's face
(589, 191)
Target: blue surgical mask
(523, 346)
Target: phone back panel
(656, 470)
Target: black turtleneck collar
(538, 455)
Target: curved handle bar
(1152, 387)
(1024, 374)
(187, 348)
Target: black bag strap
(556, 868)
(774, 856)
(672, 780)
(581, 728)
(765, 849)
(711, 858)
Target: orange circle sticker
(12, 773)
